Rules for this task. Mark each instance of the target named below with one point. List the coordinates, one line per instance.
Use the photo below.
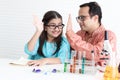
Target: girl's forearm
(32, 42)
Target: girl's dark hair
(94, 9)
(43, 37)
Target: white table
(15, 72)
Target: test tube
(72, 61)
(65, 67)
(83, 62)
(79, 61)
(71, 65)
(93, 60)
(66, 62)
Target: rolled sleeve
(34, 52)
(65, 50)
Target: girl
(48, 46)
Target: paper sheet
(22, 61)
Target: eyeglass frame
(81, 18)
(53, 26)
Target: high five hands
(37, 23)
(69, 23)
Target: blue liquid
(83, 64)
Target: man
(91, 35)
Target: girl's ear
(45, 29)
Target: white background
(16, 18)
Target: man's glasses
(81, 18)
(53, 26)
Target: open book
(22, 61)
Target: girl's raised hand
(38, 24)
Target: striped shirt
(82, 41)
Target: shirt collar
(97, 31)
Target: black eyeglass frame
(81, 18)
(53, 26)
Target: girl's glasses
(53, 26)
